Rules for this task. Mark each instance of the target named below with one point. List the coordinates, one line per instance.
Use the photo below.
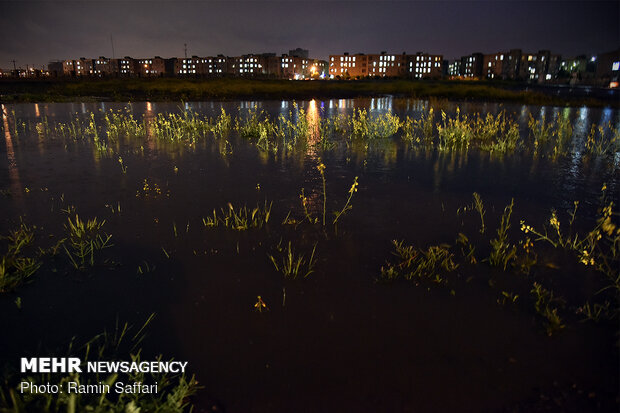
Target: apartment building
(294, 67)
(454, 68)
(104, 66)
(608, 68)
(471, 66)
(424, 65)
(362, 65)
(538, 67)
(151, 67)
(193, 66)
(493, 65)
(127, 66)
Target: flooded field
(320, 256)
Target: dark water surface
(338, 340)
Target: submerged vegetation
(299, 130)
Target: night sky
(37, 32)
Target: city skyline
(40, 32)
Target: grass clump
(416, 264)
(239, 219)
(294, 264)
(120, 125)
(367, 127)
(502, 252)
(15, 267)
(546, 306)
(454, 133)
(420, 130)
(603, 141)
(84, 240)
(186, 127)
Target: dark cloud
(36, 32)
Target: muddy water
(340, 339)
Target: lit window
(615, 66)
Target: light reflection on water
(16, 186)
(386, 156)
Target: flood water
(340, 339)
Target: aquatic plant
(502, 252)
(371, 127)
(304, 205)
(546, 306)
(468, 250)
(596, 311)
(293, 264)
(420, 130)
(507, 297)
(603, 141)
(416, 264)
(454, 133)
(119, 125)
(186, 127)
(260, 305)
(321, 168)
(239, 219)
(15, 267)
(479, 206)
(496, 133)
(540, 130)
(598, 248)
(347, 206)
(123, 166)
(84, 240)
(223, 125)
(563, 136)
(150, 190)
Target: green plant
(507, 297)
(545, 306)
(223, 125)
(321, 168)
(347, 206)
(293, 264)
(85, 239)
(541, 130)
(240, 219)
(480, 208)
(468, 250)
(454, 133)
(599, 142)
(502, 252)
(379, 126)
(304, 204)
(418, 264)
(123, 167)
(15, 268)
